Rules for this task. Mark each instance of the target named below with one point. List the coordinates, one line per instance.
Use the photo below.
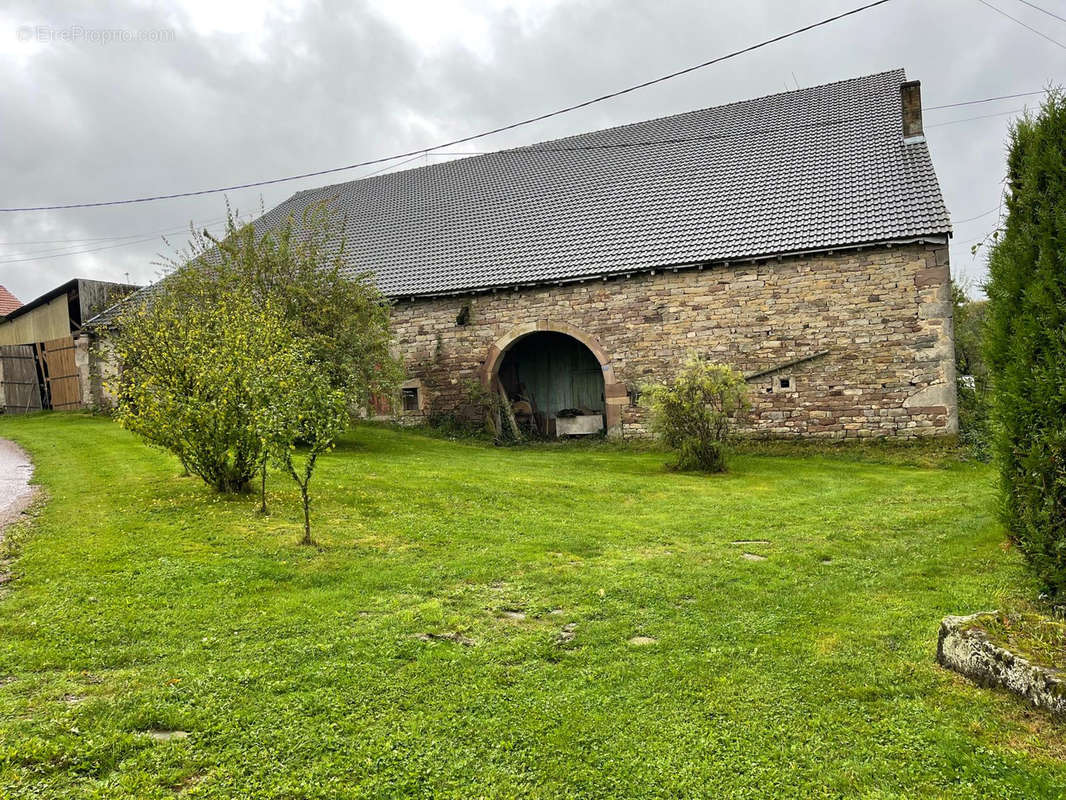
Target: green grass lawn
(141, 601)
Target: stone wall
(964, 646)
(871, 327)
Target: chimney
(910, 95)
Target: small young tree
(299, 416)
(693, 413)
(1026, 342)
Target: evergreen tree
(1026, 342)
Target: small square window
(784, 383)
(409, 398)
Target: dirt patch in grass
(642, 641)
(167, 736)
(454, 638)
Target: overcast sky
(207, 93)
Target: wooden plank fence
(35, 377)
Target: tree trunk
(307, 515)
(263, 490)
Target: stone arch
(615, 394)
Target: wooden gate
(62, 381)
(22, 385)
(40, 376)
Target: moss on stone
(1025, 630)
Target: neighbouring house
(8, 302)
(44, 359)
(801, 238)
(60, 311)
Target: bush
(1026, 342)
(693, 413)
(245, 320)
(188, 361)
(974, 431)
(299, 267)
(971, 373)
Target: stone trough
(966, 649)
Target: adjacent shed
(44, 362)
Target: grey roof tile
(805, 170)
(811, 169)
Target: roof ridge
(533, 214)
(730, 104)
(426, 168)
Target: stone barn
(801, 238)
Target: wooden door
(61, 373)
(21, 384)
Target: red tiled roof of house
(8, 302)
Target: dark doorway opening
(555, 384)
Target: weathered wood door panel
(61, 374)
(40, 376)
(21, 384)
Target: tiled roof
(811, 169)
(8, 302)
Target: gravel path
(15, 490)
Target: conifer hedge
(1025, 342)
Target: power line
(63, 253)
(710, 137)
(534, 150)
(971, 219)
(501, 129)
(93, 240)
(983, 100)
(141, 236)
(49, 256)
(1028, 27)
(150, 237)
(89, 240)
(1044, 10)
(85, 240)
(539, 150)
(971, 119)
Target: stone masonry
(856, 343)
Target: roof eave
(929, 238)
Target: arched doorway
(562, 373)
